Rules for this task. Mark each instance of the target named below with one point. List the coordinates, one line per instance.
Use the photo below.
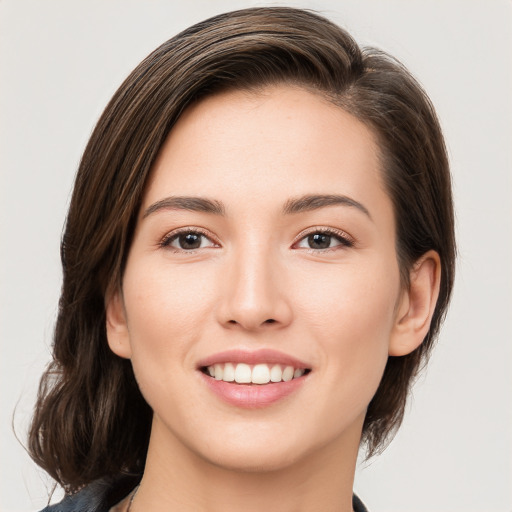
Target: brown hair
(90, 419)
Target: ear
(118, 335)
(416, 305)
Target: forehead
(276, 142)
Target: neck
(176, 478)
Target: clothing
(103, 494)
(99, 496)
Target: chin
(257, 460)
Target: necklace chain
(134, 492)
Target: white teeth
(219, 371)
(287, 373)
(299, 372)
(243, 373)
(229, 372)
(258, 374)
(276, 374)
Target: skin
(341, 309)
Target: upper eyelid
(189, 229)
(327, 230)
(304, 233)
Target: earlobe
(117, 327)
(417, 305)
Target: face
(264, 251)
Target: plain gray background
(60, 61)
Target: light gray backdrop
(60, 61)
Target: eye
(322, 240)
(188, 240)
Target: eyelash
(171, 237)
(345, 241)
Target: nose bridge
(254, 296)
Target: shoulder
(98, 496)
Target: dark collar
(98, 496)
(101, 495)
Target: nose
(254, 292)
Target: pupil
(319, 241)
(190, 241)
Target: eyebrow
(292, 206)
(316, 201)
(193, 204)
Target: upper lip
(265, 355)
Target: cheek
(157, 296)
(351, 300)
(166, 313)
(351, 316)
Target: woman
(257, 258)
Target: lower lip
(252, 396)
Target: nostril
(249, 324)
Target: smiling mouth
(261, 374)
